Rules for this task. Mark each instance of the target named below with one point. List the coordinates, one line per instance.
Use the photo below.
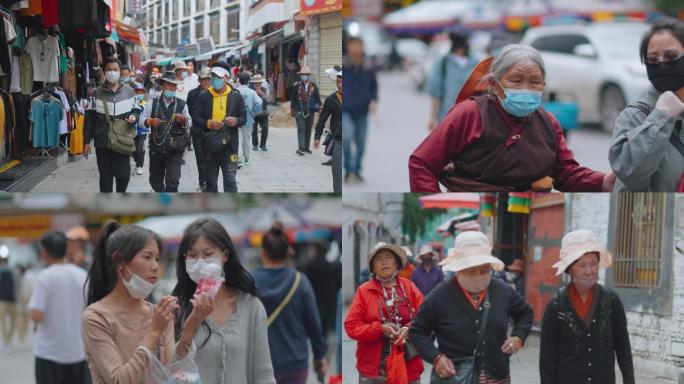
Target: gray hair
(511, 55)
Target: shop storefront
(323, 38)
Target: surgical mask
(667, 76)
(169, 94)
(137, 286)
(139, 98)
(585, 282)
(304, 77)
(125, 79)
(184, 75)
(112, 76)
(521, 102)
(196, 267)
(217, 83)
(474, 284)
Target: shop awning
(127, 32)
(465, 220)
(451, 200)
(208, 55)
(266, 11)
(434, 16)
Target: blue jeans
(354, 130)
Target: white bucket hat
(427, 248)
(471, 249)
(399, 251)
(575, 245)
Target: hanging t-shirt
(15, 84)
(76, 135)
(19, 5)
(50, 13)
(44, 57)
(45, 116)
(66, 107)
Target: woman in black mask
(647, 150)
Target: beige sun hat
(575, 245)
(399, 251)
(471, 249)
(305, 70)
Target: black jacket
(236, 108)
(314, 98)
(448, 314)
(192, 99)
(331, 108)
(572, 353)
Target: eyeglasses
(205, 256)
(669, 57)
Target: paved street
(401, 125)
(524, 365)
(277, 170)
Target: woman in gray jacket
(647, 150)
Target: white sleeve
(38, 296)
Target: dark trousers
(304, 126)
(49, 372)
(113, 165)
(291, 377)
(337, 166)
(263, 121)
(139, 154)
(228, 166)
(165, 171)
(196, 136)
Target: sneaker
(138, 171)
(347, 177)
(255, 148)
(299, 152)
(246, 162)
(329, 162)
(263, 148)
(308, 151)
(358, 177)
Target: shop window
(186, 7)
(185, 33)
(215, 27)
(233, 24)
(199, 28)
(173, 43)
(199, 5)
(638, 240)
(174, 10)
(215, 4)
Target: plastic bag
(183, 371)
(396, 366)
(211, 278)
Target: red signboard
(315, 7)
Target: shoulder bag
(121, 134)
(274, 315)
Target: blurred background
(312, 222)
(590, 48)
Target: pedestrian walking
(204, 77)
(253, 105)
(185, 82)
(112, 129)
(469, 317)
(362, 88)
(8, 300)
(647, 149)
(28, 279)
(584, 327)
(169, 121)
(292, 314)
(448, 75)
(219, 112)
(231, 336)
(332, 108)
(503, 140)
(261, 118)
(120, 328)
(305, 102)
(428, 275)
(380, 315)
(56, 306)
(126, 78)
(141, 131)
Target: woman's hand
(402, 334)
(609, 182)
(389, 330)
(163, 313)
(511, 345)
(202, 307)
(445, 368)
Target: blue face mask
(217, 83)
(184, 75)
(169, 94)
(521, 102)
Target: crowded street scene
(521, 288)
(171, 96)
(449, 88)
(159, 288)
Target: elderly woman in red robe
(503, 140)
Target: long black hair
(127, 241)
(236, 276)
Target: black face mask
(667, 76)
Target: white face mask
(112, 76)
(474, 284)
(200, 267)
(137, 286)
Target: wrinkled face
(384, 264)
(205, 82)
(166, 86)
(477, 271)
(524, 75)
(339, 83)
(663, 45)
(587, 265)
(145, 263)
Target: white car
(596, 65)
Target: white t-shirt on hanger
(44, 57)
